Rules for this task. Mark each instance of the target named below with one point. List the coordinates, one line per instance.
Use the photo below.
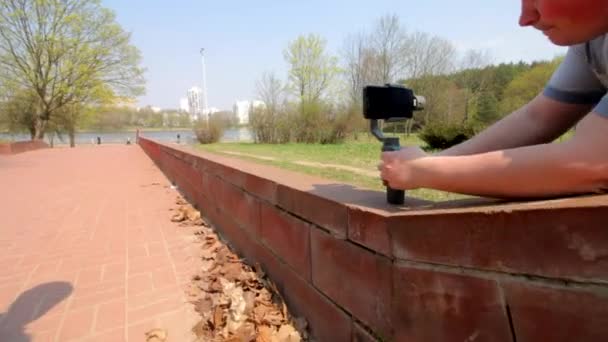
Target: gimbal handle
(389, 144)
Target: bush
(208, 132)
(442, 135)
(270, 127)
(323, 123)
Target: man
(514, 157)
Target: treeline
(119, 118)
(320, 99)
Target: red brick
(230, 174)
(552, 314)
(261, 187)
(95, 298)
(116, 335)
(163, 277)
(288, 237)
(324, 212)
(360, 334)
(243, 207)
(139, 284)
(77, 325)
(369, 229)
(354, 278)
(326, 320)
(137, 332)
(215, 188)
(205, 185)
(156, 309)
(237, 237)
(141, 300)
(111, 315)
(429, 305)
(564, 243)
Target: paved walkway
(87, 249)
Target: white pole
(204, 97)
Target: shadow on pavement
(30, 306)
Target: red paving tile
(88, 252)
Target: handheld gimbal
(390, 103)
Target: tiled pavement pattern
(87, 249)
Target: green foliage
(270, 126)
(442, 135)
(487, 109)
(320, 123)
(312, 70)
(525, 86)
(209, 131)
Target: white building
(194, 103)
(183, 105)
(209, 111)
(242, 110)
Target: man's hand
(398, 169)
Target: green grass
(363, 153)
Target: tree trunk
(72, 138)
(40, 128)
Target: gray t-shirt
(582, 78)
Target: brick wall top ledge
(561, 238)
(21, 146)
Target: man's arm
(579, 165)
(540, 121)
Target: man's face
(566, 22)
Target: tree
(376, 58)
(390, 47)
(523, 88)
(487, 109)
(429, 55)
(312, 69)
(271, 91)
(354, 53)
(474, 79)
(17, 112)
(66, 52)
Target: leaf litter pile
(236, 302)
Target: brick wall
(358, 269)
(22, 146)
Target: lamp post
(204, 87)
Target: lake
(186, 136)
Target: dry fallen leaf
(264, 334)
(203, 305)
(288, 334)
(156, 335)
(218, 318)
(246, 332)
(199, 329)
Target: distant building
(242, 110)
(209, 111)
(183, 105)
(194, 103)
(155, 109)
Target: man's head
(566, 22)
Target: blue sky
(243, 39)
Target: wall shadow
(30, 306)
(377, 199)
